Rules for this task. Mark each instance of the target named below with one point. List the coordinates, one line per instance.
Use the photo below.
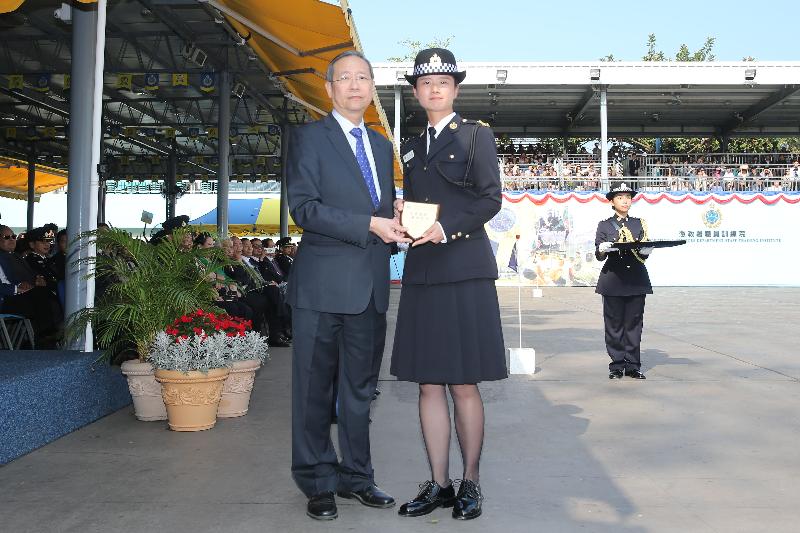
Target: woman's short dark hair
(200, 239)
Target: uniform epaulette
(470, 121)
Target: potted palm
(141, 288)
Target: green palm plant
(146, 287)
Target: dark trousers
(326, 345)
(623, 316)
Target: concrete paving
(708, 443)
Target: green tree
(415, 46)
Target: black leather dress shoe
(322, 506)
(279, 342)
(431, 496)
(634, 373)
(615, 374)
(372, 496)
(468, 501)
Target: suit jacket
(285, 263)
(340, 265)
(270, 273)
(624, 272)
(463, 211)
(16, 268)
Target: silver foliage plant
(204, 353)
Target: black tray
(636, 245)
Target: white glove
(606, 247)
(647, 250)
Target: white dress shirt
(347, 126)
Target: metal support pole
(224, 143)
(604, 138)
(171, 184)
(398, 104)
(88, 43)
(284, 213)
(101, 202)
(31, 184)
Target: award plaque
(417, 217)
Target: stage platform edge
(46, 394)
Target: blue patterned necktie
(363, 163)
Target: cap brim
(458, 76)
(612, 194)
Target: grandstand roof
(646, 99)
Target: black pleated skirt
(449, 333)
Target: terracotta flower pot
(191, 398)
(148, 405)
(236, 392)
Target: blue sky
(579, 30)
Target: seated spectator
(58, 262)
(32, 298)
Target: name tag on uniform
(408, 157)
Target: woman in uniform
(448, 334)
(623, 282)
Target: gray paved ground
(708, 443)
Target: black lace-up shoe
(615, 374)
(468, 501)
(634, 373)
(322, 506)
(372, 496)
(431, 495)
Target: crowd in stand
(529, 167)
(33, 269)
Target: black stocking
(434, 417)
(468, 407)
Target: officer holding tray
(623, 283)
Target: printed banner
(732, 239)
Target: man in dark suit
(624, 283)
(341, 190)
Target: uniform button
(453, 237)
(425, 168)
(467, 236)
(427, 199)
(452, 156)
(374, 241)
(628, 266)
(459, 234)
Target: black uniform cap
(435, 61)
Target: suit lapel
(337, 137)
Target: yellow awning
(7, 6)
(297, 40)
(14, 178)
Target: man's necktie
(363, 163)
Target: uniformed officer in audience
(623, 283)
(40, 241)
(168, 226)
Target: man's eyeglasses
(347, 77)
(9, 237)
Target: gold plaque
(417, 217)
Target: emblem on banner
(151, 81)
(712, 217)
